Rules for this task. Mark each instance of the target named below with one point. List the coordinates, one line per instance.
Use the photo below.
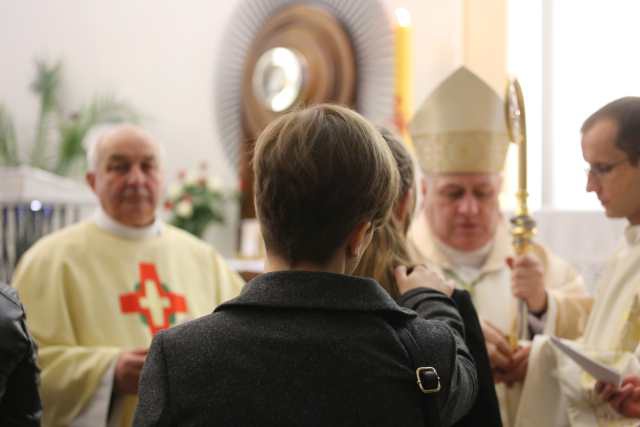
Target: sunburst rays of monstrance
(278, 55)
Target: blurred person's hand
(128, 369)
(527, 281)
(517, 371)
(624, 400)
(498, 349)
(421, 277)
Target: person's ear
(90, 178)
(359, 239)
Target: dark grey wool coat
(19, 373)
(305, 349)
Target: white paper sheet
(596, 369)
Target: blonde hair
(319, 172)
(388, 247)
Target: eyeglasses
(601, 169)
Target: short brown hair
(625, 112)
(319, 172)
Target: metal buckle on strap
(428, 380)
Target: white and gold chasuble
(559, 393)
(490, 288)
(90, 294)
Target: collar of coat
(317, 290)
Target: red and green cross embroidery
(152, 300)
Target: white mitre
(460, 128)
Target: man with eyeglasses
(560, 393)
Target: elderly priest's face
(462, 209)
(128, 179)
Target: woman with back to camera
(384, 259)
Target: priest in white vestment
(460, 138)
(96, 293)
(560, 393)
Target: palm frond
(46, 86)
(103, 109)
(8, 144)
(52, 127)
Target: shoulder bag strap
(426, 378)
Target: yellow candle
(403, 72)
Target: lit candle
(403, 72)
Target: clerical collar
(632, 234)
(474, 259)
(112, 226)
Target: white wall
(160, 56)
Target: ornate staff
(523, 227)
